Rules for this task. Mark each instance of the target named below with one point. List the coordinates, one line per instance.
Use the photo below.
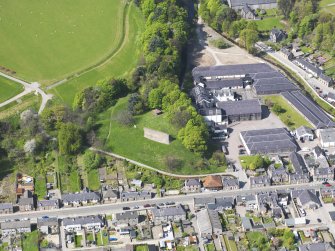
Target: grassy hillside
(130, 142)
(123, 61)
(47, 40)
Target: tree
(194, 135)
(91, 160)
(248, 38)
(69, 139)
(125, 118)
(286, 7)
(155, 98)
(277, 109)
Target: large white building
(326, 136)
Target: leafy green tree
(155, 98)
(70, 139)
(286, 7)
(91, 160)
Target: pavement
(28, 88)
(117, 207)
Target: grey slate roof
(47, 222)
(221, 203)
(128, 215)
(325, 78)
(246, 223)
(331, 95)
(276, 140)
(192, 182)
(248, 106)
(4, 206)
(83, 220)
(307, 196)
(16, 224)
(230, 182)
(237, 3)
(327, 135)
(25, 201)
(210, 111)
(229, 70)
(298, 163)
(309, 109)
(279, 34)
(83, 196)
(109, 193)
(215, 219)
(168, 211)
(332, 215)
(46, 203)
(321, 246)
(309, 65)
(302, 130)
(203, 201)
(136, 195)
(217, 84)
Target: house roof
(141, 194)
(303, 130)
(246, 9)
(128, 215)
(221, 203)
(215, 219)
(309, 65)
(230, 70)
(331, 95)
(210, 111)
(324, 171)
(203, 201)
(192, 182)
(248, 106)
(298, 163)
(4, 206)
(237, 3)
(212, 181)
(230, 182)
(325, 78)
(168, 211)
(279, 34)
(217, 84)
(47, 222)
(246, 223)
(309, 109)
(83, 220)
(276, 140)
(25, 201)
(321, 246)
(109, 193)
(16, 224)
(83, 196)
(47, 203)
(262, 179)
(332, 215)
(308, 196)
(327, 135)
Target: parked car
(126, 208)
(146, 205)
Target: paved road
(117, 207)
(28, 88)
(155, 169)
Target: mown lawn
(45, 41)
(268, 23)
(120, 65)
(230, 244)
(130, 142)
(291, 117)
(30, 241)
(8, 89)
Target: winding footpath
(28, 88)
(181, 176)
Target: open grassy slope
(121, 63)
(47, 40)
(8, 89)
(130, 142)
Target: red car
(328, 185)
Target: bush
(219, 43)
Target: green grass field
(120, 64)
(8, 89)
(130, 142)
(269, 23)
(45, 41)
(290, 114)
(30, 241)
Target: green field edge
(102, 61)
